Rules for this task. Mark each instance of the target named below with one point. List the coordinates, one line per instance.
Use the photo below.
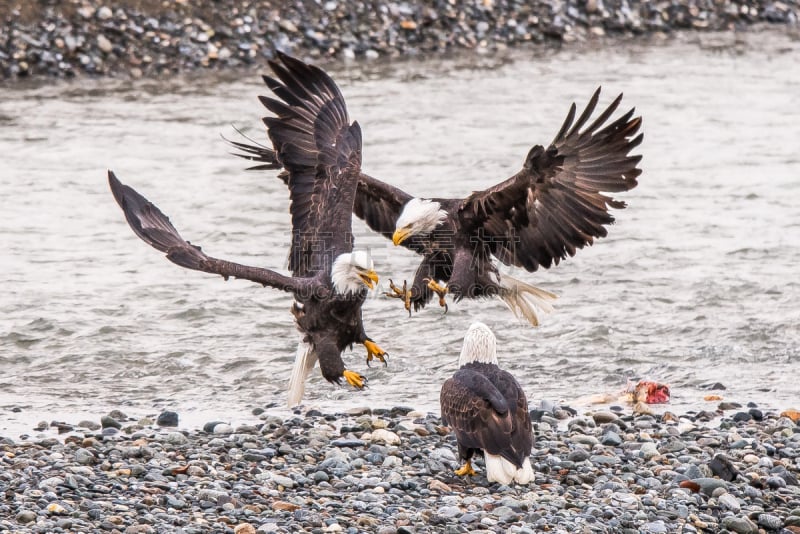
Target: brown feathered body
(488, 412)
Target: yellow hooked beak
(369, 278)
(400, 235)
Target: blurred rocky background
(135, 38)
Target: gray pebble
(611, 439)
(740, 525)
(25, 516)
(109, 422)
(85, 457)
(770, 521)
(730, 502)
(176, 438)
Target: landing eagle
(557, 203)
(320, 151)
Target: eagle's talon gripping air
(374, 351)
(319, 150)
(440, 290)
(559, 202)
(397, 293)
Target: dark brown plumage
(488, 411)
(320, 152)
(556, 204)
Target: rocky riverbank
(135, 38)
(390, 471)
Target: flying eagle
(487, 409)
(556, 204)
(320, 151)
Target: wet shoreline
(142, 38)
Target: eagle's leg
(397, 293)
(466, 469)
(374, 351)
(354, 379)
(440, 290)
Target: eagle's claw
(374, 351)
(397, 293)
(466, 469)
(354, 379)
(440, 290)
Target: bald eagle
(488, 411)
(320, 151)
(556, 204)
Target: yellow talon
(440, 290)
(398, 293)
(465, 470)
(374, 351)
(354, 379)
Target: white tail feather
(498, 469)
(304, 361)
(525, 474)
(524, 300)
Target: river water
(697, 282)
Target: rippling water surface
(697, 282)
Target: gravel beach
(136, 38)
(612, 469)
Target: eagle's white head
(480, 345)
(419, 216)
(352, 271)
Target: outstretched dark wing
(556, 203)
(477, 412)
(255, 151)
(321, 152)
(377, 203)
(155, 229)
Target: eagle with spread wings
(320, 152)
(559, 202)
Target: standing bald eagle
(321, 153)
(555, 205)
(488, 411)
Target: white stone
(385, 436)
(223, 428)
(104, 44)
(104, 13)
(392, 462)
(282, 480)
